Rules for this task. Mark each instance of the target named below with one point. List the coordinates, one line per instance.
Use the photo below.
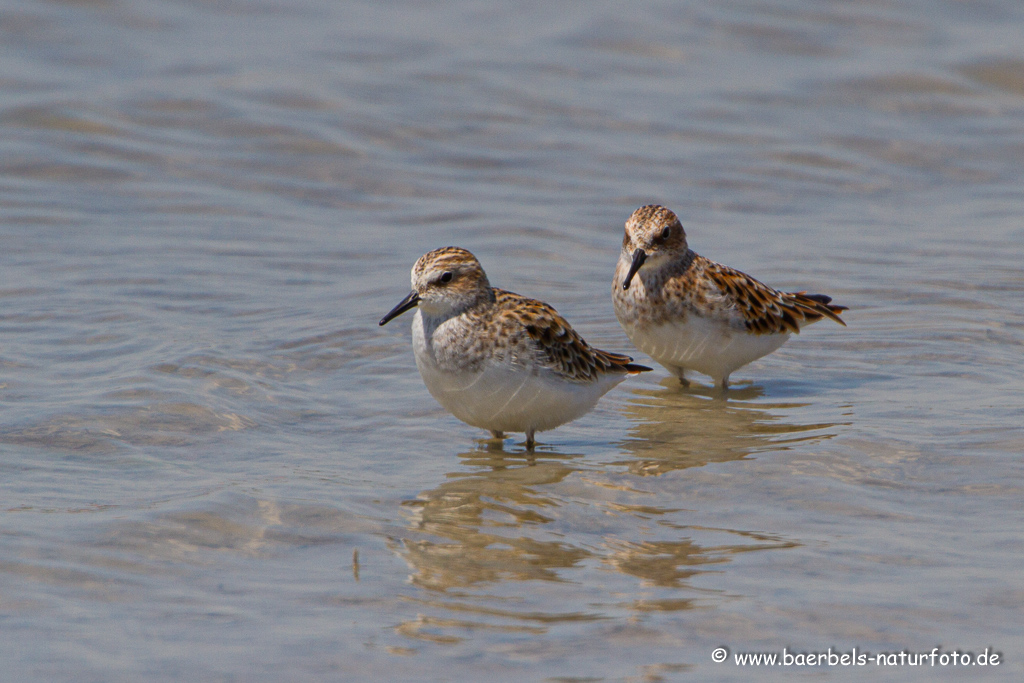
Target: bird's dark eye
(666, 232)
(445, 278)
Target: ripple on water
(157, 424)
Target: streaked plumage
(497, 360)
(690, 313)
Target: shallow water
(216, 466)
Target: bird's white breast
(711, 347)
(506, 394)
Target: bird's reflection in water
(499, 534)
(476, 527)
(670, 563)
(678, 427)
(485, 530)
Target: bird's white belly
(512, 399)
(507, 396)
(710, 347)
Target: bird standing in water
(497, 360)
(689, 313)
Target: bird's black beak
(403, 306)
(639, 256)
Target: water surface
(215, 466)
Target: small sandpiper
(497, 360)
(689, 313)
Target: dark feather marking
(563, 349)
(769, 311)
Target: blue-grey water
(215, 466)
